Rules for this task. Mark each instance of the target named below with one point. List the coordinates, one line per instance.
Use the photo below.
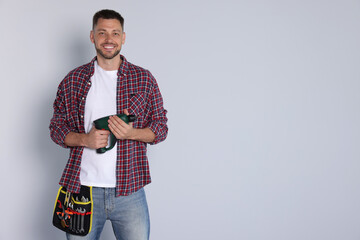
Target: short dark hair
(108, 14)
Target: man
(109, 85)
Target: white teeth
(108, 47)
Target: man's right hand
(94, 139)
(97, 138)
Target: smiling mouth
(109, 47)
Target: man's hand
(120, 129)
(96, 138)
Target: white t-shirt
(99, 169)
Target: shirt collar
(124, 66)
(123, 69)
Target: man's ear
(92, 36)
(123, 38)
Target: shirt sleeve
(158, 121)
(58, 127)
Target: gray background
(263, 114)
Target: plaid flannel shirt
(138, 92)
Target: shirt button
(82, 116)
(89, 83)
(83, 98)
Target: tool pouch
(73, 211)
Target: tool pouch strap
(73, 211)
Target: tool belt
(73, 211)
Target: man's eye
(116, 34)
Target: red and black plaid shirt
(138, 92)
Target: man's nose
(108, 38)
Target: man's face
(108, 37)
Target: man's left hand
(119, 128)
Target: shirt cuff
(160, 132)
(58, 135)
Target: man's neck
(109, 64)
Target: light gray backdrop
(263, 100)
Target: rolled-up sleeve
(58, 127)
(158, 119)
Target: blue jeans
(129, 215)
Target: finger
(115, 120)
(126, 111)
(102, 137)
(116, 128)
(113, 129)
(103, 132)
(102, 143)
(117, 133)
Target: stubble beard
(99, 51)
